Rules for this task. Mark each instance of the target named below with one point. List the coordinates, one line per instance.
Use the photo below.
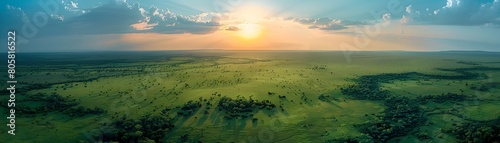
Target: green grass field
(311, 91)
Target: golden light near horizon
(249, 31)
(249, 18)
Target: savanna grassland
(257, 96)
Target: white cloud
(408, 9)
(71, 6)
(18, 12)
(143, 25)
(460, 12)
(10, 7)
(327, 24)
(449, 4)
(404, 20)
(163, 21)
(74, 4)
(387, 18)
(417, 13)
(57, 17)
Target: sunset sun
(249, 21)
(250, 31)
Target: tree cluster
(242, 107)
(189, 108)
(442, 98)
(401, 116)
(485, 86)
(143, 129)
(365, 91)
(54, 103)
(50, 103)
(326, 98)
(82, 111)
(477, 132)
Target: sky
(347, 25)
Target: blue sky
(93, 25)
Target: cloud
(58, 17)
(74, 4)
(114, 17)
(449, 3)
(387, 18)
(436, 12)
(143, 25)
(164, 21)
(404, 20)
(232, 28)
(22, 20)
(120, 17)
(327, 24)
(408, 9)
(459, 12)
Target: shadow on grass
(216, 117)
(202, 120)
(336, 105)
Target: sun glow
(249, 31)
(249, 21)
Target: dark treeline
(82, 111)
(442, 98)
(368, 87)
(37, 86)
(27, 88)
(485, 86)
(52, 103)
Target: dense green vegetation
(44, 103)
(402, 114)
(485, 86)
(242, 107)
(477, 132)
(258, 97)
(145, 129)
